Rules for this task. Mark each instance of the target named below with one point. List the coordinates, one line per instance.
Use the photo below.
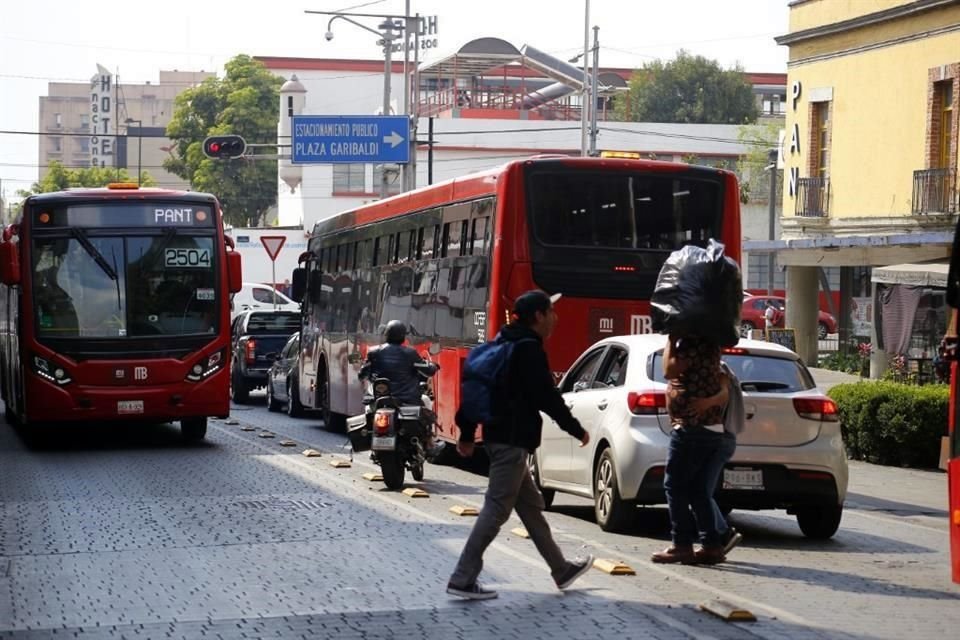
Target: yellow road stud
(287, 443)
(461, 510)
(727, 611)
(311, 453)
(520, 531)
(373, 477)
(265, 434)
(247, 427)
(340, 464)
(613, 567)
(415, 493)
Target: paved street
(110, 533)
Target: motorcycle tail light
(383, 422)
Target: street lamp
(386, 32)
(128, 122)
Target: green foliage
(893, 424)
(688, 89)
(845, 362)
(59, 177)
(759, 139)
(244, 102)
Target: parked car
(261, 296)
(790, 456)
(751, 315)
(282, 379)
(256, 337)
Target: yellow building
(870, 151)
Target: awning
(932, 274)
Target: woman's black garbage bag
(699, 292)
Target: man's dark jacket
(526, 390)
(395, 362)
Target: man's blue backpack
(482, 374)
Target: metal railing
(934, 191)
(813, 197)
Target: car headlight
(55, 374)
(207, 367)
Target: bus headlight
(56, 375)
(206, 368)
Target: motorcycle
(395, 433)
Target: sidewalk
(901, 491)
(826, 378)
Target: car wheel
(238, 389)
(745, 328)
(294, 408)
(611, 510)
(822, 331)
(272, 403)
(819, 523)
(193, 429)
(548, 494)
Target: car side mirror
(580, 386)
(298, 285)
(9, 264)
(234, 272)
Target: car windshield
(89, 286)
(758, 373)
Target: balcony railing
(934, 191)
(813, 197)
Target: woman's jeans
(695, 461)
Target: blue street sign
(337, 139)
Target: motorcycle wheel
(417, 471)
(391, 467)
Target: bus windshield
(100, 286)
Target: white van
(260, 296)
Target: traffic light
(224, 147)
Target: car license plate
(381, 443)
(749, 479)
(127, 407)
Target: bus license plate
(749, 479)
(127, 407)
(384, 443)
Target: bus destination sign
(125, 215)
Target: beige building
(109, 123)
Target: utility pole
(594, 84)
(387, 27)
(411, 166)
(585, 94)
(772, 218)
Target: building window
(56, 145)
(821, 120)
(84, 145)
(393, 186)
(349, 178)
(85, 121)
(757, 270)
(945, 105)
(57, 120)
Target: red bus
(449, 259)
(115, 305)
(950, 344)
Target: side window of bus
(365, 254)
(478, 242)
(423, 300)
(431, 237)
(381, 246)
(445, 241)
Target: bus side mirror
(234, 272)
(299, 285)
(9, 264)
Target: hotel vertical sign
(102, 118)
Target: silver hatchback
(790, 456)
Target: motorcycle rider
(396, 362)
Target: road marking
(613, 567)
(649, 611)
(413, 492)
(312, 453)
(461, 510)
(373, 477)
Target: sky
(62, 40)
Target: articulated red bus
(449, 259)
(953, 452)
(115, 305)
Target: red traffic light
(222, 147)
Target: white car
(260, 296)
(790, 456)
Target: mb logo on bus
(641, 324)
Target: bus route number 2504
(195, 258)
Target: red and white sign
(273, 244)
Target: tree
(752, 166)
(59, 177)
(243, 102)
(689, 89)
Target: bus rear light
(647, 403)
(56, 375)
(250, 351)
(206, 368)
(625, 269)
(822, 409)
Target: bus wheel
(193, 429)
(10, 415)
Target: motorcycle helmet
(396, 332)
